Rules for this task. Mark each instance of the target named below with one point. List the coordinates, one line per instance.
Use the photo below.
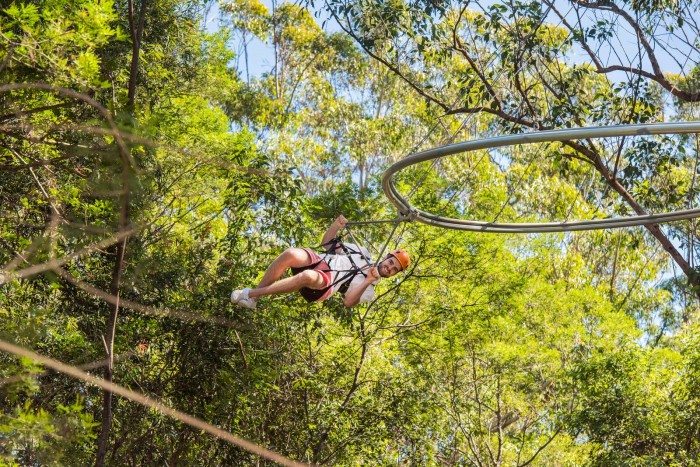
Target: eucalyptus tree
(515, 61)
(475, 356)
(122, 85)
(512, 64)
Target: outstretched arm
(352, 297)
(333, 230)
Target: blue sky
(261, 59)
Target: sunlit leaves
(61, 38)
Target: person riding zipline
(344, 268)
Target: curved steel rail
(408, 212)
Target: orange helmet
(402, 257)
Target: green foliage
(490, 350)
(33, 435)
(59, 39)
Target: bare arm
(333, 230)
(352, 297)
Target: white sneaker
(241, 298)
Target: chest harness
(343, 277)
(349, 274)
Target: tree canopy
(148, 168)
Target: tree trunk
(136, 35)
(109, 348)
(654, 229)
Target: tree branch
(657, 75)
(24, 113)
(384, 62)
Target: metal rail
(407, 211)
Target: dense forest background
(148, 167)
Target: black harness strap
(331, 246)
(345, 279)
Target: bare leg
(290, 258)
(309, 278)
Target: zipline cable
(386, 244)
(381, 251)
(378, 221)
